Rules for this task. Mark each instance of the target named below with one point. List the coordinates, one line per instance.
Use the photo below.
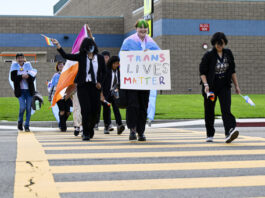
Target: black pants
(107, 112)
(64, 105)
(229, 121)
(136, 111)
(98, 115)
(89, 98)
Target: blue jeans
(24, 104)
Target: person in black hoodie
(90, 76)
(23, 76)
(217, 71)
(110, 90)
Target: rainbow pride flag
(48, 40)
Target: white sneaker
(209, 139)
(111, 127)
(233, 134)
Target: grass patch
(168, 107)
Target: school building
(182, 26)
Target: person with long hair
(110, 89)
(90, 75)
(217, 71)
(63, 105)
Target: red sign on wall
(204, 27)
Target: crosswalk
(172, 163)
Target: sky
(27, 7)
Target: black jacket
(107, 83)
(82, 60)
(208, 64)
(17, 78)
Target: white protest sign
(145, 70)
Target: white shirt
(95, 67)
(112, 79)
(23, 82)
(143, 44)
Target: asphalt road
(174, 162)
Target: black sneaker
(132, 136)
(120, 129)
(85, 138)
(76, 131)
(20, 126)
(141, 138)
(106, 130)
(27, 129)
(233, 134)
(96, 127)
(63, 129)
(91, 135)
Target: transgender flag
(70, 69)
(248, 100)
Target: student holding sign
(137, 100)
(217, 71)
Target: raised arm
(89, 32)
(73, 57)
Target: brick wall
(45, 72)
(186, 50)
(56, 25)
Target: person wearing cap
(137, 100)
(217, 71)
(63, 105)
(23, 76)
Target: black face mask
(90, 49)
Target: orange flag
(70, 69)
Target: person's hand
(55, 42)
(146, 50)
(238, 91)
(25, 76)
(206, 89)
(98, 86)
(88, 29)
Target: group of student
(98, 75)
(111, 82)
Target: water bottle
(37, 104)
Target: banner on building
(148, 70)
